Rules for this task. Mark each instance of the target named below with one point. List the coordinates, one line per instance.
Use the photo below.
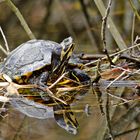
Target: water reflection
(120, 102)
(36, 103)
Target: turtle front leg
(43, 85)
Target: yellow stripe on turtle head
(67, 52)
(76, 78)
(67, 48)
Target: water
(17, 126)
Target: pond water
(92, 126)
(99, 112)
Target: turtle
(42, 57)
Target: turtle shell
(29, 57)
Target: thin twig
(53, 96)
(134, 9)
(60, 78)
(104, 22)
(96, 90)
(117, 97)
(67, 89)
(5, 40)
(3, 50)
(116, 79)
(127, 132)
(107, 114)
(111, 55)
(132, 59)
(126, 102)
(103, 31)
(97, 73)
(121, 68)
(133, 29)
(111, 26)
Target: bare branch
(5, 40)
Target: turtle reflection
(31, 104)
(70, 89)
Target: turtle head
(67, 48)
(66, 52)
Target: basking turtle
(43, 59)
(37, 55)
